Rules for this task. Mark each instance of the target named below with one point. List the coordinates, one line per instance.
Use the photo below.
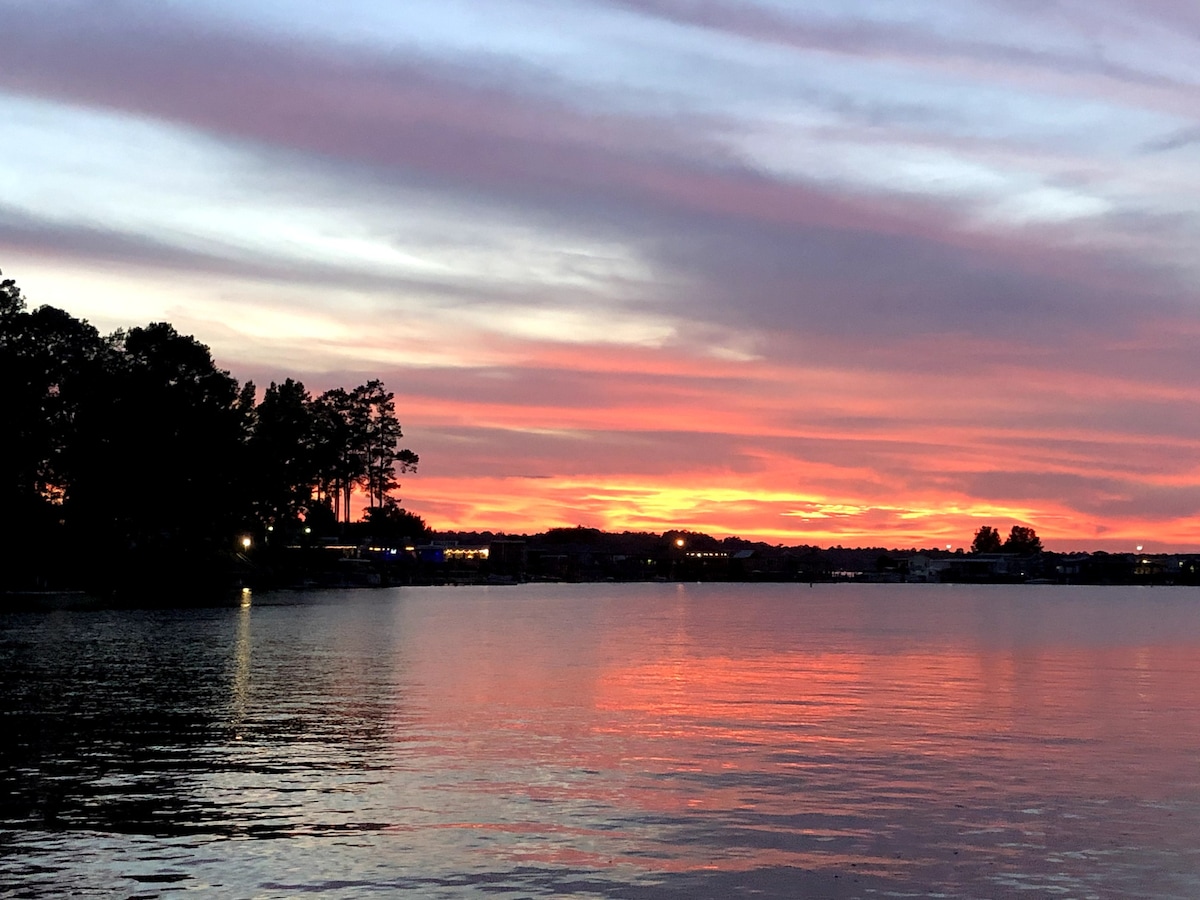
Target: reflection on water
(632, 741)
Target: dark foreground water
(634, 741)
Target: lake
(627, 741)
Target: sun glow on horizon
(527, 506)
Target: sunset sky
(865, 272)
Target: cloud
(1186, 137)
(759, 272)
(922, 35)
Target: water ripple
(640, 742)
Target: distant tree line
(133, 453)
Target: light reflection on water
(630, 741)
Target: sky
(866, 272)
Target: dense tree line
(133, 452)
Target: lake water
(628, 741)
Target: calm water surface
(628, 741)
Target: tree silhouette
(159, 465)
(357, 434)
(377, 413)
(49, 360)
(48, 364)
(282, 454)
(340, 455)
(987, 540)
(1023, 540)
(389, 522)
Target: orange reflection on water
(903, 699)
(693, 733)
